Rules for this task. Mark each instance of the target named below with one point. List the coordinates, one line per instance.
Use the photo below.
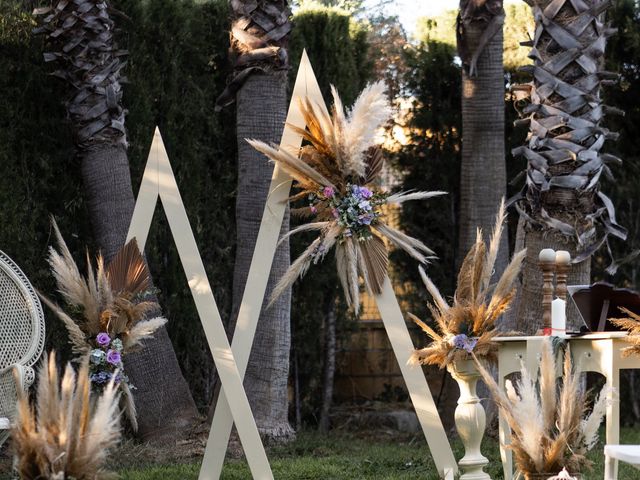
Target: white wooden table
(595, 352)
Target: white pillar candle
(547, 255)
(563, 257)
(558, 316)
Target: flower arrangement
(468, 325)
(335, 174)
(105, 362)
(631, 323)
(72, 432)
(551, 429)
(106, 312)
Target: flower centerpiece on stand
(468, 325)
(465, 329)
(551, 427)
(106, 312)
(336, 175)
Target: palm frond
(376, 261)
(128, 272)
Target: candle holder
(563, 265)
(547, 263)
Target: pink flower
(313, 209)
(328, 192)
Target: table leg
(613, 415)
(505, 432)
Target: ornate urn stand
(470, 420)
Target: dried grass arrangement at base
(69, 433)
(335, 175)
(631, 323)
(106, 311)
(551, 428)
(469, 324)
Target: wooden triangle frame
(158, 182)
(307, 85)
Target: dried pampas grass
(551, 426)
(632, 324)
(69, 433)
(335, 173)
(469, 323)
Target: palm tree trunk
(561, 206)
(529, 308)
(483, 171)
(261, 112)
(81, 36)
(329, 363)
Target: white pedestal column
(470, 420)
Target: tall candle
(547, 255)
(558, 316)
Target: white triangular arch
(307, 85)
(158, 182)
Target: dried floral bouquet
(469, 324)
(551, 429)
(106, 311)
(336, 176)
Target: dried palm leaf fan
(551, 427)
(335, 174)
(106, 311)
(469, 324)
(69, 433)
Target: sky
(410, 10)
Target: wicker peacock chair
(21, 338)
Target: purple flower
(100, 377)
(463, 342)
(313, 209)
(365, 205)
(113, 357)
(328, 192)
(103, 339)
(365, 192)
(366, 219)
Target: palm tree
(483, 171)
(561, 205)
(259, 87)
(80, 36)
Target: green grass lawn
(342, 456)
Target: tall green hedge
(177, 67)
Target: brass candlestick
(547, 262)
(563, 264)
